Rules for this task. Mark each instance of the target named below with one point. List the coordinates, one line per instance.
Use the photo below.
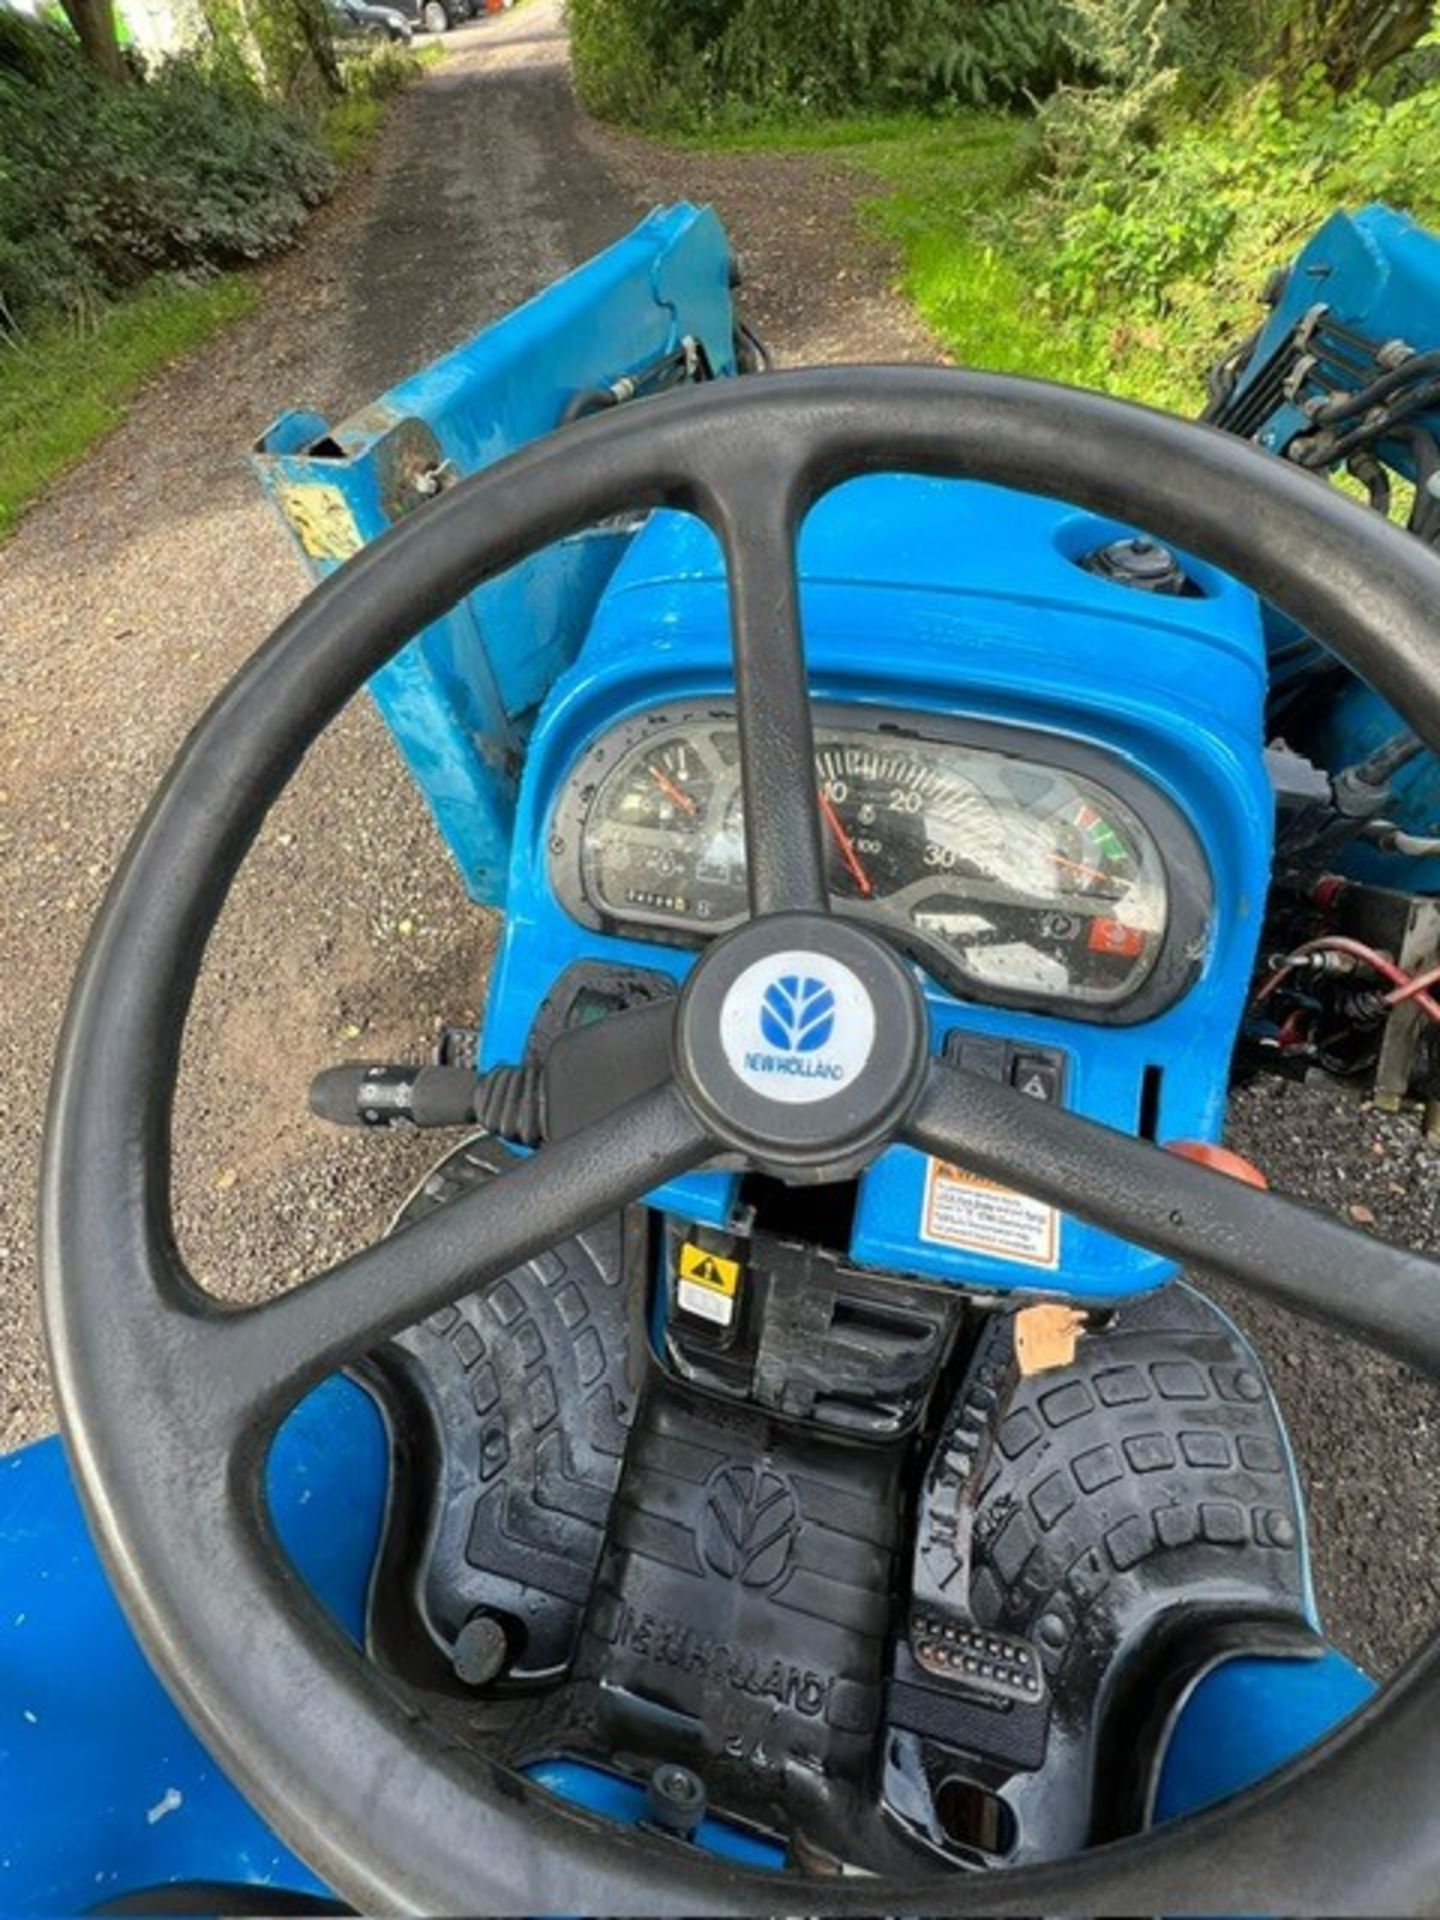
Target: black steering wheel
(169, 1400)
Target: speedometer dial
(1019, 876)
(891, 813)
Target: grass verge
(955, 199)
(63, 387)
(351, 125)
(1132, 272)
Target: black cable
(1371, 475)
(1387, 759)
(1425, 460)
(1343, 405)
(1223, 378)
(1318, 454)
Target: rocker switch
(977, 1053)
(1039, 1075)
(1038, 1072)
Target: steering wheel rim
(167, 1400)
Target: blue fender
(103, 1787)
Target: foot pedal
(512, 1413)
(990, 1663)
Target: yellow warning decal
(706, 1269)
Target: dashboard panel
(1018, 867)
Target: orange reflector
(1219, 1160)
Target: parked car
(367, 20)
(439, 16)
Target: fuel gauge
(668, 787)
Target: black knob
(481, 1649)
(1139, 563)
(677, 1798)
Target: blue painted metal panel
(951, 598)
(458, 699)
(621, 1800)
(1376, 272)
(1249, 1716)
(103, 1787)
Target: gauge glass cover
(1017, 875)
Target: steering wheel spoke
(756, 511)
(1279, 1248)
(267, 1356)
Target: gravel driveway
(130, 595)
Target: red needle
(1074, 866)
(668, 787)
(846, 846)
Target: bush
(1200, 215)
(968, 54)
(185, 174)
(692, 63)
(378, 69)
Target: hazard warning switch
(1038, 1072)
(1039, 1075)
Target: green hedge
(698, 63)
(102, 187)
(691, 63)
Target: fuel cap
(1139, 563)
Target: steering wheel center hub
(802, 1042)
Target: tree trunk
(1405, 26)
(94, 24)
(314, 24)
(1352, 39)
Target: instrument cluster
(1016, 867)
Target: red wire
(1413, 989)
(1410, 988)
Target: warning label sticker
(708, 1269)
(704, 1304)
(963, 1210)
(707, 1284)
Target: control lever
(587, 1072)
(362, 1095)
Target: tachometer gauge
(654, 846)
(1009, 863)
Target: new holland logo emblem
(797, 1026)
(797, 1014)
(750, 1525)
